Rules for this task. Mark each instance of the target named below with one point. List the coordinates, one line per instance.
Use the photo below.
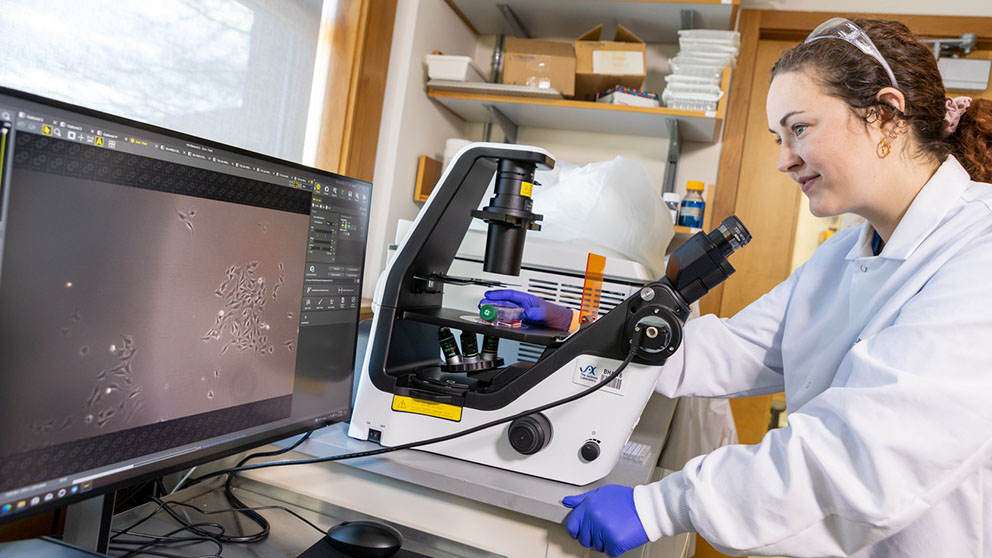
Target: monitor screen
(164, 300)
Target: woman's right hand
(537, 311)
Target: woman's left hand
(605, 519)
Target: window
(240, 72)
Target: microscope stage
(467, 321)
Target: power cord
(217, 538)
(242, 508)
(634, 344)
(239, 506)
(142, 546)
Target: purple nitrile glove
(537, 311)
(605, 519)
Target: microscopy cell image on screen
(167, 306)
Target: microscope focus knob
(589, 451)
(530, 434)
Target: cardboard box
(619, 95)
(599, 65)
(537, 63)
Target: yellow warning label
(405, 404)
(98, 141)
(526, 189)
(46, 129)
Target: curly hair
(848, 74)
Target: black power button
(589, 451)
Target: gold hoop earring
(883, 149)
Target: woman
(882, 342)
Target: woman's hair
(854, 77)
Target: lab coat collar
(934, 201)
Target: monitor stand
(87, 523)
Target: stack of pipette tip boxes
(694, 83)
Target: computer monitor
(164, 300)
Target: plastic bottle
(449, 346)
(693, 205)
(672, 200)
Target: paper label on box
(537, 63)
(617, 62)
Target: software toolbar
(131, 140)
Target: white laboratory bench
(477, 506)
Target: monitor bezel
(168, 465)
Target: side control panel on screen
(335, 246)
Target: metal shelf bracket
(674, 149)
(509, 127)
(513, 21)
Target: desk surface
(288, 536)
(309, 491)
(533, 496)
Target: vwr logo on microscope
(588, 375)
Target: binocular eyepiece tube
(701, 263)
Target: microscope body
(406, 392)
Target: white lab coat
(886, 364)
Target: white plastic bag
(612, 204)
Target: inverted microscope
(565, 417)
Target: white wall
(410, 120)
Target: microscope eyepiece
(730, 236)
(701, 262)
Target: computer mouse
(365, 539)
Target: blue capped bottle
(693, 205)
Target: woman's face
(825, 148)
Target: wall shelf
(585, 116)
(653, 21)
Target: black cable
(168, 554)
(247, 508)
(199, 528)
(634, 344)
(237, 505)
(242, 508)
(119, 532)
(159, 540)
